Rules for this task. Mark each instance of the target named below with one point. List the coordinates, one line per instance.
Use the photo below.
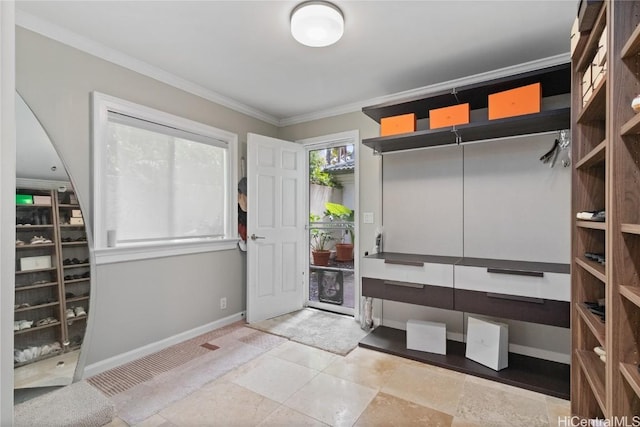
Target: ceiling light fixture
(317, 23)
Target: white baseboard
(129, 356)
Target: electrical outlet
(223, 303)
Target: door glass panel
(331, 228)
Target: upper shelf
(476, 131)
(554, 80)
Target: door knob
(254, 237)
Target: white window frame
(102, 104)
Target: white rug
(327, 331)
(76, 405)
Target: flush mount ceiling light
(317, 23)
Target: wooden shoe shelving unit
(45, 292)
(606, 175)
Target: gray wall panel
(516, 207)
(422, 210)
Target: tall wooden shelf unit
(606, 175)
(50, 291)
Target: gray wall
(423, 191)
(140, 302)
(492, 199)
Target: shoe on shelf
(67, 261)
(79, 311)
(25, 324)
(19, 242)
(68, 277)
(597, 215)
(70, 313)
(599, 351)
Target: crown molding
(426, 90)
(62, 35)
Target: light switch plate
(367, 217)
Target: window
(161, 182)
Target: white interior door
(275, 227)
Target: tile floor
(296, 385)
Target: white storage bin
(427, 336)
(488, 343)
(35, 262)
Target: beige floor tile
(558, 410)
(223, 405)
(460, 422)
(387, 410)
(276, 378)
(493, 406)
(284, 416)
(303, 355)
(366, 367)
(117, 422)
(426, 385)
(507, 388)
(155, 421)
(239, 371)
(332, 400)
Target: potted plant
(320, 246)
(344, 251)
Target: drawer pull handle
(515, 298)
(404, 284)
(515, 272)
(401, 262)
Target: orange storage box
(449, 116)
(398, 124)
(515, 102)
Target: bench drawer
(412, 293)
(526, 309)
(408, 271)
(535, 284)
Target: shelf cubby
(631, 127)
(595, 108)
(594, 372)
(632, 46)
(592, 41)
(632, 293)
(596, 269)
(594, 157)
(36, 328)
(596, 326)
(631, 374)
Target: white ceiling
(242, 53)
